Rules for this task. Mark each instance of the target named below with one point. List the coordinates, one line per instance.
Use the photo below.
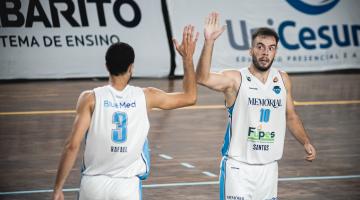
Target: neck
(119, 82)
(261, 75)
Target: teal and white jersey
(257, 120)
(116, 142)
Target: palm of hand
(212, 32)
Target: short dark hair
(264, 31)
(119, 56)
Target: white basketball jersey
(116, 142)
(257, 120)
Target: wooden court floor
(36, 117)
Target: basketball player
(113, 119)
(260, 105)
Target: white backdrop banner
(315, 35)
(65, 38)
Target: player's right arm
(156, 98)
(81, 124)
(227, 81)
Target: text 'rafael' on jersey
(116, 142)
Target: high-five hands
(187, 47)
(212, 28)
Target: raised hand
(212, 28)
(187, 47)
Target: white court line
(319, 178)
(209, 174)
(180, 184)
(195, 183)
(166, 156)
(187, 165)
(38, 191)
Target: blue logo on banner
(277, 89)
(313, 9)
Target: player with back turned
(113, 121)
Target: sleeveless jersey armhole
(230, 108)
(283, 81)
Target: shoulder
(233, 74)
(87, 98)
(286, 79)
(153, 96)
(87, 95)
(150, 91)
(283, 73)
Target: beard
(260, 67)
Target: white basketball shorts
(241, 181)
(108, 188)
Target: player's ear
(130, 69)
(251, 51)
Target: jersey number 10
(264, 115)
(119, 135)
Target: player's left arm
(156, 98)
(294, 123)
(81, 124)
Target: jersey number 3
(119, 135)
